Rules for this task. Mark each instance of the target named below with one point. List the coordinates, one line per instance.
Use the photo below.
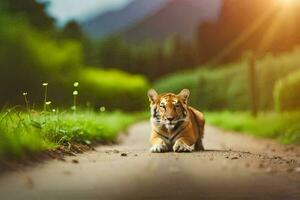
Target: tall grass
(284, 126)
(23, 134)
(227, 87)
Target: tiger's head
(168, 109)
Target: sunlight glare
(287, 2)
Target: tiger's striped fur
(175, 125)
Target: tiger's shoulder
(198, 115)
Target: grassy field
(23, 134)
(284, 126)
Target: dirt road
(233, 167)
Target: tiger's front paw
(180, 146)
(158, 148)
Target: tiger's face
(168, 109)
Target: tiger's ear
(152, 95)
(184, 95)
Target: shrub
(27, 58)
(113, 89)
(283, 126)
(227, 87)
(273, 68)
(210, 89)
(24, 134)
(287, 93)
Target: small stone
(75, 161)
(234, 158)
(123, 154)
(135, 155)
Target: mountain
(116, 20)
(180, 17)
(154, 19)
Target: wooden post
(253, 86)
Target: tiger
(176, 126)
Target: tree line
(263, 27)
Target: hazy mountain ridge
(176, 17)
(116, 20)
(155, 19)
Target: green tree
(34, 11)
(72, 30)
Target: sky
(64, 10)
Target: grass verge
(23, 134)
(283, 126)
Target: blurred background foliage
(34, 51)
(114, 73)
(212, 63)
(227, 87)
(287, 93)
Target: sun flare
(287, 2)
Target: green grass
(23, 134)
(282, 126)
(207, 84)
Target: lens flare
(287, 2)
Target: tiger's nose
(170, 118)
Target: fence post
(253, 85)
